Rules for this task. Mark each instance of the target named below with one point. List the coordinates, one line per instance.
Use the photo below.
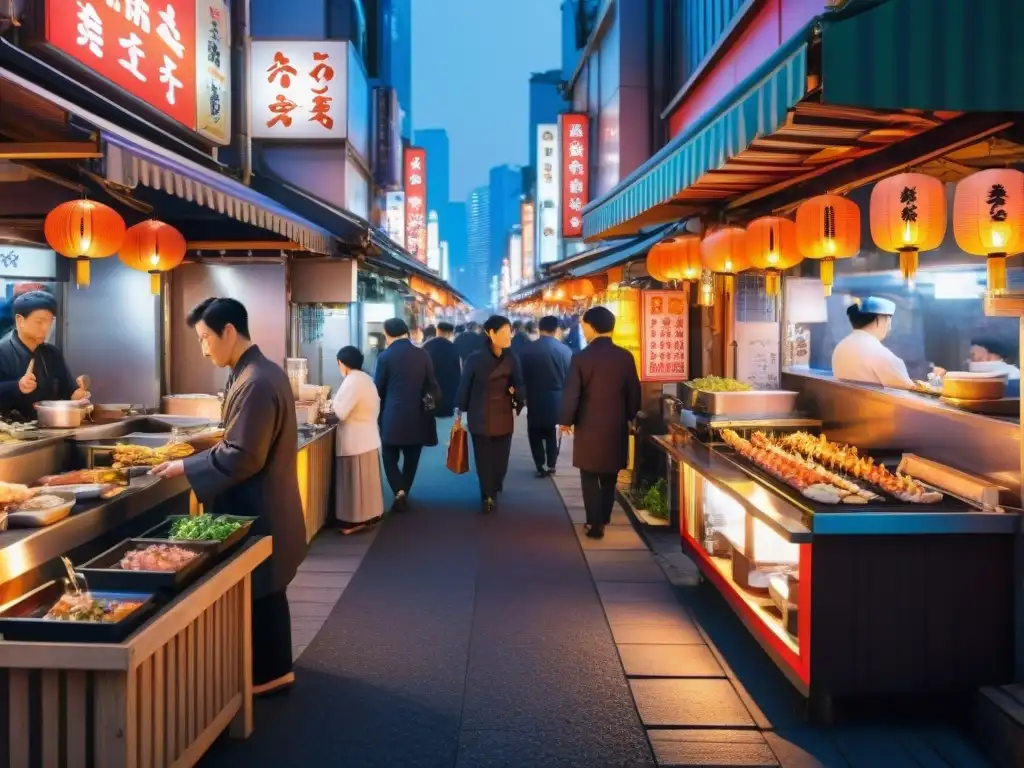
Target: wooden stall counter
(160, 698)
(315, 466)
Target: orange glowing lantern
(908, 215)
(988, 219)
(725, 251)
(654, 263)
(771, 246)
(828, 228)
(676, 260)
(584, 287)
(155, 247)
(83, 230)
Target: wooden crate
(161, 698)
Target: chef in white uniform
(989, 356)
(861, 356)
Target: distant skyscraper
(506, 190)
(389, 52)
(435, 141)
(478, 263)
(546, 103)
(455, 231)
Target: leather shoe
(595, 531)
(541, 474)
(489, 506)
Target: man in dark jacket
(602, 396)
(545, 366)
(447, 368)
(252, 472)
(520, 338)
(408, 395)
(32, 370)
(470, 341)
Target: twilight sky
(471, 65)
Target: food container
(204, 406)
(40, 518)
(306, 413)
(309, 392)
(973, 385)
(105, 572)
(297, 369)
(61, 414)
(108, 412)
(23, 620)
(162, 534)
(753, 403)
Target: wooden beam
(49, 150)
(244, 245)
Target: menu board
(664, 348)
(757, 354)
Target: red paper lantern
(83, 230)
(771, 246)
(908, 215)
(828, 228)
(988, 219)
(155, 247)
(676, 260)
(725, 251)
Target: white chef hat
(874, 305)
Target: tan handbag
(458, 449)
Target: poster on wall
(757, 354)
(575, 166)
(213, 69)
(415, 177)
(299, 89)
(664, 341)
(548, 191)
(394, 216)
(526, 217)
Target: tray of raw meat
(136, 565)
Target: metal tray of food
(105, 572)
(162, 533)
(44, 508)
(762, 403)
(24, 619)
(100, 453)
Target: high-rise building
(478, 261)
(546, 104)
(455, 227)
(506, 190)
(435, 142)
(389, 51)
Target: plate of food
(54, 613)
(216, 533)
(40, 509)
(145, 566)
(126, 455)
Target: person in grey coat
(545, 365)
(408, 396)
(252, 472)
(602, 396)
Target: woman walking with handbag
(491, 394)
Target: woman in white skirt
(358, 488)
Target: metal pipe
(729, 349)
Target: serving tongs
(75, 581)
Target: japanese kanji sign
(299, 89)
(527, 220)
(145, 47)
(575, 158)
(548, 190)
(415, 174)
(213, 69)
(665, 326)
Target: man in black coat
(520, 338)
(404, 378)
(447, 368)
(470, 341)
(602, 396)
(545, 365)
(252, 471)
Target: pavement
(451, 639)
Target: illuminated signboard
(394, 216)
(415, 173)
(548, 192)
(526, 221)
(575, 155)
(171, 54)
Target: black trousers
(543, 441)
(598, 496)
(271, 638)
(491, 457)
(401, 479)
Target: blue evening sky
(471, 65)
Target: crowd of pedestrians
(483, 377)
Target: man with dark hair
(992, 356)
(460, 329)
(252, 471)
(469, 342)
(32, 370)
(602, 395)
(519, 337)
(545, 364)
(447, 368)
(530, 328)
(408, 397)
(430, 332)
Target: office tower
(389, 51)
(455, 232)
(506, 189)
(546, 104)
(435, 142)
(478, 261)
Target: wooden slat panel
(241, 726)
(115, 737)
(201, 715)
(51, 718)
(170, 700)
(75, 693)
(222, 642)
(211, 664)
(144, 684)
(184, 676)
(19, 717)
(159, 710)
(192, 711)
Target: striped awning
(630, 251)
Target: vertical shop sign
(145, 48)
(575, 153)
(526, 221)
(299, 89)
(213, 69)
(416, 202)
(548, 192)
(394, 216)
(664, 336)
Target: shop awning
(631, 251)
(958, 55)
(133, 160)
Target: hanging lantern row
(675, 260)
(988, 219)
(908, 215)
(84, 230)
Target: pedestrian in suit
(447, 368)
(520, 338)
(491, 394)
(408, 394)
(545, 365)
(470, 341)
(602, 396)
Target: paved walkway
(462, 640)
